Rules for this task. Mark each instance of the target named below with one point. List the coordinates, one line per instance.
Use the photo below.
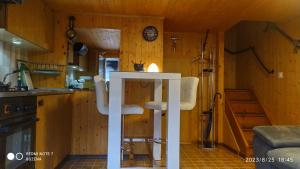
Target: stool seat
(188, 96)
(102, 100)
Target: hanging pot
(80, 49)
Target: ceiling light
(16, 41)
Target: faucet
(8, 74)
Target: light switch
(280, 75)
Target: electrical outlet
(280, 75)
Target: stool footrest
(144, 140)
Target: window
(107, 65)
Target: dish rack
(43, 68)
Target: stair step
(249, 136)
(245, 106)
(239, 95)
(242, 105)
(252, 121)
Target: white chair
(188, 96)
(102, 103)
(102, 100)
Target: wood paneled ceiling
(188, 15)
(105, 39)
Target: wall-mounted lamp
(152, 68)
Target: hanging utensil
(71, 33)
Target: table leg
(114, 124)
(157, 120)
(173, 120)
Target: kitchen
(52, 54)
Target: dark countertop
(37, 92)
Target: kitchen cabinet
(53, 130)
(32, 21)
(89, 127)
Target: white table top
(145, 75)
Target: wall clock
(150, 33)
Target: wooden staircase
(244, 112)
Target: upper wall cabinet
(32, 21)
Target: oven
(17, 132)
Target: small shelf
(43, 68)
(45, 72)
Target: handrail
(295, 42)
(252, 49)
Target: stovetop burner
(6, 88)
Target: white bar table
(116, 99)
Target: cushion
(279, 136)
(286, 158)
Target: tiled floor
(191, 158)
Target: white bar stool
(103, 106)
(188, 96)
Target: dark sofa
(277, 147)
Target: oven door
(16, 139)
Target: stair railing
(252, 49)
(295, 42)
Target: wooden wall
(220, 105)
(280, 97)
(230, 60)
(187, 48)
(133, 46)
(90, 127)
(230, 42)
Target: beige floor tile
(191, 156)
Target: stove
(17, 131)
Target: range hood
(77, 56)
